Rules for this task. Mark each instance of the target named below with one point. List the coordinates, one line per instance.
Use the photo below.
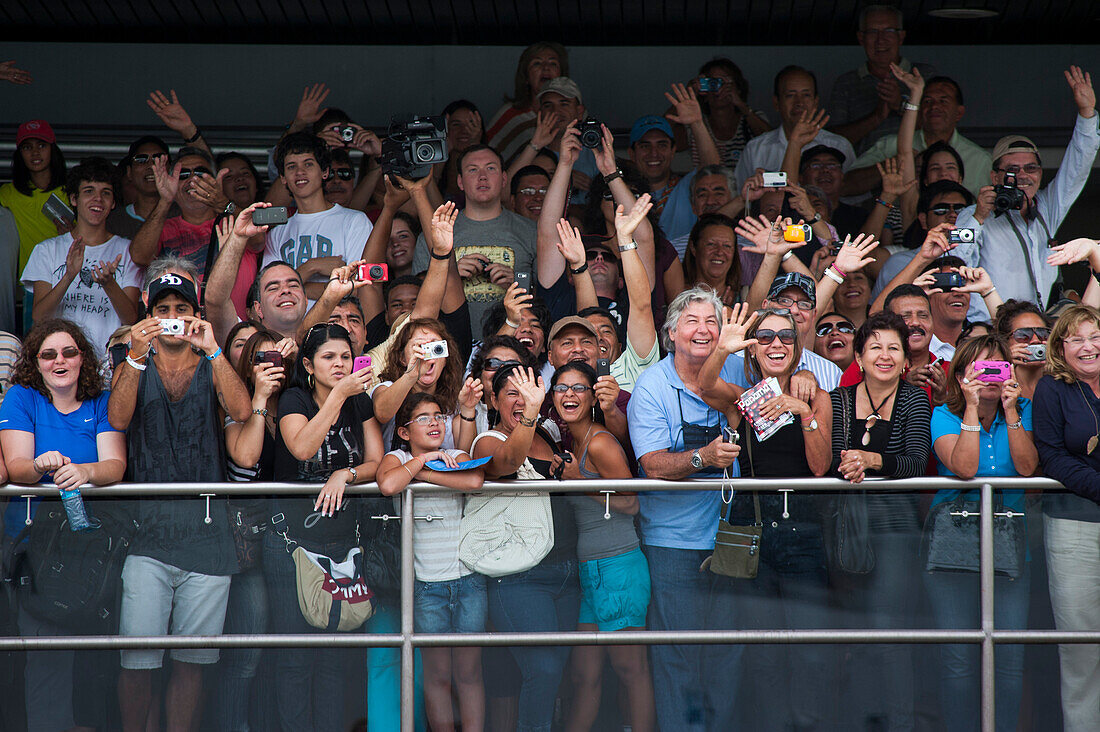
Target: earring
(309, 380)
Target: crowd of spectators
(858, 291)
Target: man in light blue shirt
(1002, 237)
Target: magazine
(751, 402)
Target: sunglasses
(842, 326)
(426, 419)
(766, 336)
(343, 173)
(495, 364)
(1030, 169)
(1023, 335)
(592, 254)
(50, 354)
(575, 388)
(942, 209)
(186, 173)
(145, 158)
(788, 303)
(532, 191)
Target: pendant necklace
(874, 416)
(1095, 439)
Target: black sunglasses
(942, 209)
(143, 158)
(842, 326)
(766, 336)
(186, 173)
(497, 364)
(343, 173)
(1023, 335)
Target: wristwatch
(811, 426)
(354, 475)
(696, 459)
(816, 218)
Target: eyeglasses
(50, 354)
(1030, 169)
(186, 173)
(532, 191)
(824, 166)
(766, 336)
(575, 388)
(841, 326)
(885, 32)
(343, 173)
(1023, 335)
(788, 302)
(143, 158)
(495, 364)
(1093, 340)
(426, 419)
(942, 209)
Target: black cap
(170, 282)
(820, 150)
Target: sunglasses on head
(766, 336)
(186, 173)
(942, 209)
(50, 354)
(343, 173)
(1023, 335)
(575, 388)
(144, 158)
(495, 364)
(841, 326)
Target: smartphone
(270, 216)
(603, 367)
(775, 180)
(272, 357)
(523, 279)
(58, 210)
(948, 280)
(360, 363)
(992, 371)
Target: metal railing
(987, 636)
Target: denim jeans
(956, 603)
(793, 687)
(694, 686)
(1073, 563)
(309, 685)
(544, 598)
(384, 677)
(232, 689)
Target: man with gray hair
(712, 191)
(866, 103)
(191, 183)
(676, 435)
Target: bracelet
(406, 467)
(354, 474)
(1015, 425)
(816, 218)
(970, 427)
(534, 147)
(230, 208)
(788, 255)
(215, 354)
(440, 256)
(194, 137)
(135, 364)
(880, 202)
(612, 176)
(34, 464)
(528, 422)
(911, 107)
(464, 418)
(262, 412)
(579, 270)
(627, 247)
(833, 276)
(142, 357)
(838, 270)
(990, 291)
(510, 324)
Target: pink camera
(992, 371)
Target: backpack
(73, 578)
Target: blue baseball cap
(792, 279)
(650, 122)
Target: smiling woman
(712, 257)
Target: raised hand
(936, 243)
(395, 196)
(605, 153)
(688, 111)
(516, 300)
(570, 148)
(808, 126)
(168, 182)
(142, 334)
(9, 73)
(267, 377)
(367, 143)
(739, 321)
(209, 190)
(243, 226)
(800, 200)
(469, 396)
(547, 125)
(570, 243)
(627, 223)
(912, 80)
(531, 388)
(309, 108)
(1080, 83)
(171, 113)
(765, 237)
(606, 390)
(443, 228)
(753, 187)
(199, 334)
(854, 255)
(74, 258)
(977, 280)
(1076, 250)
(893, 185)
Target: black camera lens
(425, 153)
(375, 271)
(347, 134)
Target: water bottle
(78, 515)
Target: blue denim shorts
(451, 606)
(615, 591)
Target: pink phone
(992, 371)
(360, 363)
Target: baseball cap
(793, 279)
(561, 85)
(39, 129)
(170, 282)
(643, 125)
(1013, 144)
(571, 320)
(821, 150)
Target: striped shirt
(9, 353)
(729, 151)
(510, 129)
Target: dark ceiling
(517, 22)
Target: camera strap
(1027, 256)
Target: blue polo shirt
(674, 519)
(825, 371)
(994, 456)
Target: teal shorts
(615, 591)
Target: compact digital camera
(346, 132)
(948, 280)
(378, 272)
(710, 83)
(590, 133)
(960, 236)
(172, 326)
(775, 180)
(413, 146)
(435, 349)
(1007, 196)
(272, 357)
(797, 232)
(1036, 352)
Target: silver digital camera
(435, 349)
(173, 326)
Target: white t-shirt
(435, 542)
(337, 232)
(85, 303)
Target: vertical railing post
(985, 574)
(407, 658)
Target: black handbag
(952, 543)
(848, 526)
(381, 547)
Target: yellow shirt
(33, 225)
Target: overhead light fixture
(957, 13)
